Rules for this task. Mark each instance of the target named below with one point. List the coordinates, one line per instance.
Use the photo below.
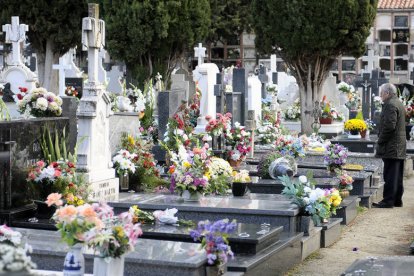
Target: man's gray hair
(388, 88)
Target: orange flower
(67, 213)
(197, 151)
(171, 170)
(54, 198)
(87, 211)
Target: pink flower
(67, 213)
(208, 117)
(54, 198)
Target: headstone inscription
(77, 83)
(94, 153)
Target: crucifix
(62, 67)
(251, 126)
(93, 39)
(372, 60)
(316, 113)
(200, 53)
(15, 34)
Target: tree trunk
(48, 78)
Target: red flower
(19, 96)
(54, 164)
(71, 165)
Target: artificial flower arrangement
(190, 170)
(289, 145)
(123, 162)
(318, 203)
(408, 101)
(292, 113)
(352, 95)
(355, 125)
(313, 142)
(267, 134)
(39, 103)
(264, 164)
(71, 91)
(272, 89)
(326, 108)
(220, 174)
(165, 217)
(242, 176)
(370, 124)
(13, 254)
(57, 177)
(335, 156)
(219, 125)
(237, 141)
(377, 103)
(214, 240)
(345, 181)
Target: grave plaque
(77, 83)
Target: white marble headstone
(330, 90)
(254, 100)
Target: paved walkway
(375, 232)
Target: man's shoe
(399, 204)
(382, 204)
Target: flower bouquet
(292, 113)
(237, 142)
(13, 256)
(345, 183)
(240, 180)
(71, 91)
(40, 103)
(289, 145)
(335, 156)
(272, 89)
(214, 240)
(190, 171)
(123, 162)
(267, 134)
(220, 172)
(219, 125)
(354, 126)
(353, 99)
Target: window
(401, 21)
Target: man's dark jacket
(391, 135)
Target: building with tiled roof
(395, 4)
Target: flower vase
(239, 188)
(235, 164)
(354, 134)
(124, 182)
(187, 196)
(305, 224)
(43, 211)
(363, 133)
(344, 193)
(325, 121)
(74, 264)
(216, 270)
(108, 266)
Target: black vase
(43, 211)
(239, 188)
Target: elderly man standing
(391, 146)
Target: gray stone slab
(356, 145)
(247, 239)
(274, 260)
(348, 210)
(151, 257)
(277, 213)
(311, 243)
(331, 232)
(393, 265)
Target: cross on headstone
(61, 67)
(412, 76)
(273, 63)
(93, 39)
(263, 79)
(200, 53)
(373, 61)
(251, 126)
(219, 93)
(15, 34)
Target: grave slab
(248, 238)
(276, 213)
(349, 209)
(331, 232)
(311, 243)
(393, 265)
(366, 145)
(150, 257)
(275, 186)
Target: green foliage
(264, 163)
(4, 111)
(359, 116)
(219, 185)
(54, 149)
(151, 36)
(58, 22)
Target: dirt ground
(375, 232)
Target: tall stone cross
(62, 66)
(93, 38)
(200, 53)
(373, 61)
(15, 34)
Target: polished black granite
(393, 265)
(349, 209)
(247, 239)
(275, 186)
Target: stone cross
(200, 53)
(263, 79)
(15, 34)
(251, 126)
(93, 39)
(273, 63)
(62, 66)
(373, 61)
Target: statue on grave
(316, 113)
(8, 94)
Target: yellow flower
(336, 203)
(131, 139)
(207, 174)
(186, 164)
(119, 231)
(355, 124)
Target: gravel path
(375, 232)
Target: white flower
(53, 106)
(303, 179)
(236, 155)
(307, 189)
(236, 124)
(306, 200)
(41, 103)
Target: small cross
(15, 34)
(373, 61)
(62, 67)
(200, 53)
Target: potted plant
(345, 184)
(292, 113)
(355, 126)
(220, 175)
(124, 165)
(237, 142)
(214, 240)
(240, 181)
(335, 156)
(326, 116)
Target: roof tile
(396, 4)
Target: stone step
(274, 260)
(244, 210)
(331, 232)
(151, 257)
(391, 265)
(367, 198)
(311, 243)
(348, 210)
(248, 238)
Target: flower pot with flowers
(292, 113)
(370, 126)
(240, 182)
(326, 116)
(335, 157)
(71, 91)
(214, 240)
(345, 184)
(39, 103)
(355, 126)
(316, 203)
(352, 98)
(220, 176)
(216, 127)
(190, 172)
(289, 145)
(237, 141)
(124, 165)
